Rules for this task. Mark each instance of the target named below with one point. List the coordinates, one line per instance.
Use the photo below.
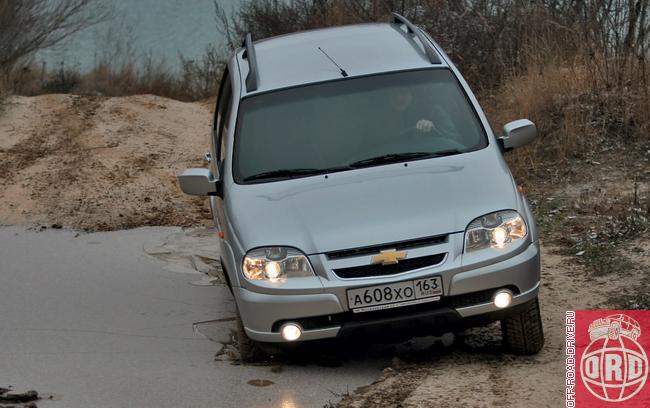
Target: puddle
(335, 352)
(52, 397)
(219, 331)
(190, 251)
(260, 383)
(195, 252)
(206, 281)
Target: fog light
(290, 332)
(503, 298)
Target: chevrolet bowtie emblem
(389, 257)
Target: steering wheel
(413, 131)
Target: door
(220, 145)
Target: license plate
(395, 294)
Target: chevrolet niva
(358, 189)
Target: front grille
(382, 270)
(399, 246)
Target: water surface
(141, 29)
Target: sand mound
(100, 163)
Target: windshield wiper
(282, 173)
(291, 173)
(383, 159)
(398, 157)
(449, 152)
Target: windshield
(353, 123)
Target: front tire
(249, 351)
(523, 333)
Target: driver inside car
(419, 114)
(402, 101)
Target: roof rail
(253, 78)
(412, 29)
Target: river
(138, 30)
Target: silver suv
(358, 189)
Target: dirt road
(476, 373)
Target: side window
(221, 119)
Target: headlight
(495, 230)
(275, 264)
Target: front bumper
(467, 302)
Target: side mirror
(517, 134)
(198, 182)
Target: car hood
(373, 205)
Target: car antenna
(345, 74)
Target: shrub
(27, 26)
(197, 79)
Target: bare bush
(200, 77)
(489, 39)
(196, 79)
(128, 78)
(267, 18)
(27, 26)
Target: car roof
(363, 49)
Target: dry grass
(196, 80)
(587, 174)
(576, 114)
(550, 97)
